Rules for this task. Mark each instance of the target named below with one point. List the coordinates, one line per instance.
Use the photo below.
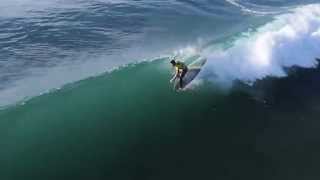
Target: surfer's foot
(180, 90)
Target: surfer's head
(173, 62)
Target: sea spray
(290, 40)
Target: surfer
(180, 71)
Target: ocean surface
(85, 92)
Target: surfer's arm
(174, 77)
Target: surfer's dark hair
(173, 62)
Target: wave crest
(291, 39)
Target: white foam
(291, 39)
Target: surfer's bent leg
(181, 77)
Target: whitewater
(289, 40)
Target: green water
(130, 124)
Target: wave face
(128, 124)
(85, 92)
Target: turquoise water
(129, 124)
(85, 90)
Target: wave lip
(291, 39)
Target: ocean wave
(56, 57)
(291, 39)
